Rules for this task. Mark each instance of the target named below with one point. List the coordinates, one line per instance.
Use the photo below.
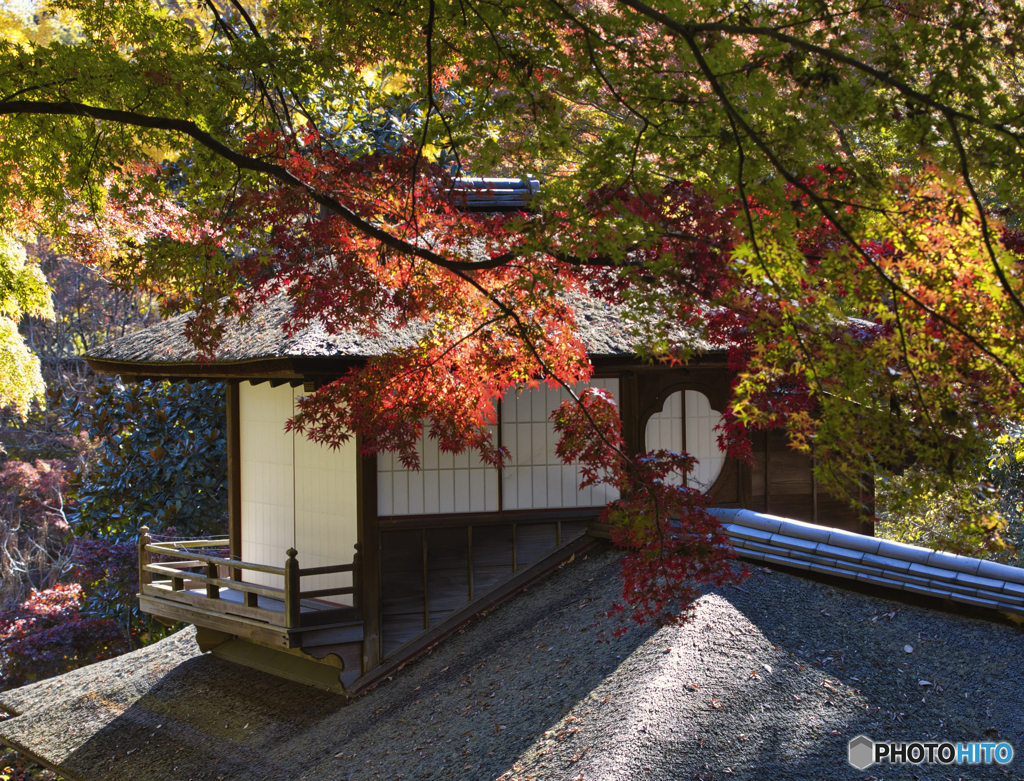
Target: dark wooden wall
(781, 480)
(431, 567)
(783, 483)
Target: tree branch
(689, 30)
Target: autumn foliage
(47, 633)
(672, 542)
(830, 193)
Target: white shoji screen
(294, 492)
(665, 432)
(445, 483)
(535, 478)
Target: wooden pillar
(369, 547)
(814, 490)
(292, 603)
(212, 589)
(629, 410)
(145, 559)
(234, 476)
(357, 578)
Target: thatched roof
(769, 680)
(263, 338)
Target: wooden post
(292, 606)
(357, 578)
(212, 589)
(145, 559)
(369, 541)
(426, 581)
(234, 476)
(814, 490)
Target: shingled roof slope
(263, 336)
(767, 681)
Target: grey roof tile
(886, 562)
(806, 531)
(736, 531)
(976, 600)
(909, 553)
(991, 569)
(977, 582)
(787, 562)
(761, 547)
(825, 569)
(1016, 589)
(794, 543)
(758, 520)
(852, 541)
(953, 561)
(880, 581)
(894, 565)
(934, 573)
(917, 588)
(838, 552)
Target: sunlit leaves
(23, 291)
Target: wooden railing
(179, 580)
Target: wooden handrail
(231, 563)
(194, 543)
(247, 588)
(144, 557)
(328, 592)
(334, 569)
(185, 555)
(292, 589)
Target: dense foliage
(155, 454)
(827, 190)
(981, 514)
(34, 550)
(23, 291)
(160, 460)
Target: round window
(687, 423)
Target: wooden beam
(292, 605)
(234, 475)
(369, 546)
(630, 411)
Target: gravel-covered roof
(263, 336)
(769, 680)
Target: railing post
(145, 559)
(357, 578)
(292, 606)
(212, 589)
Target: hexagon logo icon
(862, 752)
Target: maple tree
(827, 190)
(23, 291)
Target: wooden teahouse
(340, 567)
